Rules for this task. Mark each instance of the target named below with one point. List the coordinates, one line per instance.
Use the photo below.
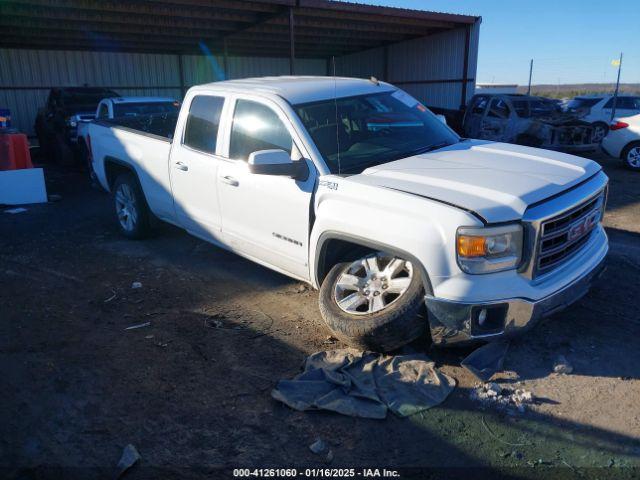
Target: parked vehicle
(597, 110)
(57, 122)
(358, 189)
(123, 107)
(526, 120)
(623, 141)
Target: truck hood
(495, 180)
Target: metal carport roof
(278, 28)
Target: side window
(479, 105)
(626, 102)
(636, 103)
(256, 127)
(103, 111)
(201, 130)
(499, 109)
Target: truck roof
(140, 99)
(302, 89)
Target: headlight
(491, 249)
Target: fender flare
(365, 242)
(128, 166)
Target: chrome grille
(564, 235)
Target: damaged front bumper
(453, 322)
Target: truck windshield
(144, 108)
(355, 133)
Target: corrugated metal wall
(430, 68)
(27, 75)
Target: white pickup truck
(356, 188)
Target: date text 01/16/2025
(315, 473)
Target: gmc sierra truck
(358, 189)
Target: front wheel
(374, 303)
(631, 156)
(131, 207)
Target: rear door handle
(182, 166)
(230, 181)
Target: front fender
(422, 230)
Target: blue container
(5, 118)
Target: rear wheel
(131, 207)
(374, 302)
(631, 156)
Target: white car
(358, 189)
(597, 110)
(623, 141)
(122, 107)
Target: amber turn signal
(469, 246)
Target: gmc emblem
(582, 227)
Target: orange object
(14, 152)
(469, 246)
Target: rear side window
(627, 103)
(201, 131)
(577, 103)
(256, 127)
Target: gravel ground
(191, 389)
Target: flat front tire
(375, 302)
(132, 212)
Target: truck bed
(162, 126)
(143, 144)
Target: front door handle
(230, 181)
(182, 166)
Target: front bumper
(454, 322)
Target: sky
(570, 41)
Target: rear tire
(132, 211)
(386, 329)
(631, 156)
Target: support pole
(530, 74)
(292, 43)
(387, 73)
(181, 73)
(465, 67)
(225, 58)
(615, 95)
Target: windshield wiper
(426, 149)
(364, 165)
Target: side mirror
(277, 162)
(442, 118)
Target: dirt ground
(195, 399)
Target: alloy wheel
(126, 207)
(633, 157)
(371, 284)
